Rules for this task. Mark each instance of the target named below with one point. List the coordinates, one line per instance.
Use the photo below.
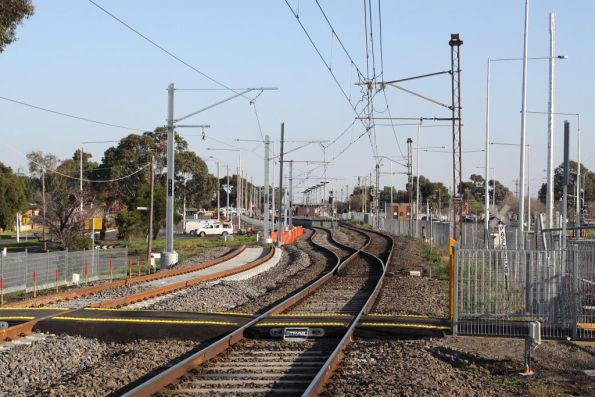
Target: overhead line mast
(457, 171)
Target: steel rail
(178, 370)
(85, 291)
(325, 373)
(167, 289)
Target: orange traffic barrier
(289, 236)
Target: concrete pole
(227, 216)
(238, 194)
(549, 201)
(266, 189)
(487, 160)
(169, 257)
(565, 181)
(577, 222)
(218, 194)
(376, 197)
(239, 201)
(81, 183)
(152, 183)
(523, 127)
(291, 193)
(280, 229)
(417, 182)
(45, 247)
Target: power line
(72, 116)
(166, 51)
(334, 32)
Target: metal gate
(498, 291)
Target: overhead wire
(72, 116)
(166, 51)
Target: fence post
(138, 265)
(575, 270)
(111, 272)
(56, 280)
(451, 294)
(454, 290)
(47, 268)
(66, 275)
(26, 268)
(34, 284)
(1, 279)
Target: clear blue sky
(72, 57)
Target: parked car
(215, 229)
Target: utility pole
(218, 194)
(152, 183)
(377, 198)
(455, 44)
(523, 131)
(410, 184)
(549, 200)
(169, 256)
(417, 181)
(238, 195)
(266, 205)
(291, 193)
(81, 185)
(565, 181)
(227, 216)
(280, 229)
(578, 178)
(45, 245)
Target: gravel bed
(75, 366)
(295, 268)
(405, 294)
(460, 367)
(349, 237)
(204, 256)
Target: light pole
(218, 188)
(238, 187)
(550, 170)
(487, 126)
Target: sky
(73, 58)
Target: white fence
(25, 271)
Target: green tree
(587, 183)
(13, 196)
(129, 225)
(12, 13)
(143, 199)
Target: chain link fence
(24, 272)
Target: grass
(185, 248)
(435, 257)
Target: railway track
(234, 366)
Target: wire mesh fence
(498, 291)
(25, 272)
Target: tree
(12, 13)
(143, 199)
(13, 196)
(587, 183)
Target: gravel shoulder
(463, 366)
(73, 366)
(299, 264)
(405, 294)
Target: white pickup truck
(215, 229)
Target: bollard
(1, 291)
(56, 280)
(129, 268)
(34, 284)
(111, 272)
(86, 273)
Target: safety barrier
(289, 236)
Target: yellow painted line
(587, 326)
(34, 308)
(300, 324)
(403, 325)
(399, 315)
(311, 315)
(109, 309)
(17, 318)
(143, 320)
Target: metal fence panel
(24, 272)
(499, 291)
